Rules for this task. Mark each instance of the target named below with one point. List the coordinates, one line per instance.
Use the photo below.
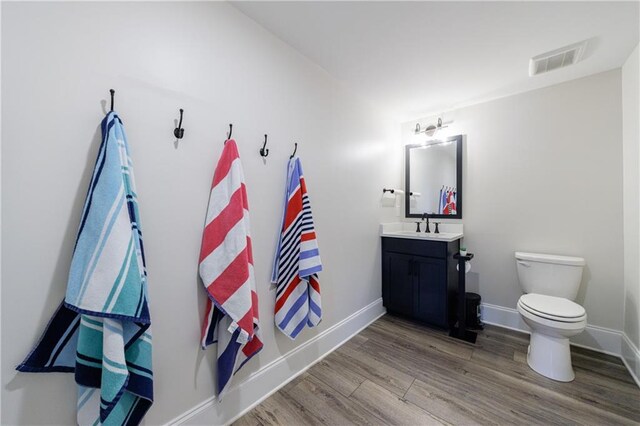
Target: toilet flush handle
(524, 263)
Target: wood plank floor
(396, 372)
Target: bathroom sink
(442, 236)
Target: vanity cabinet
(419, 279)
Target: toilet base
(551, 357)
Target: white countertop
(448, 231)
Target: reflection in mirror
(434, 178)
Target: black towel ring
(113, 92)
(264, 152)
(294, 151)
(179, 131)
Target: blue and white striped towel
(102, 330)
(297, 260)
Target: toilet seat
(552, 308)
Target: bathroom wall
(631, 169)
(543, 173)
(59, 61)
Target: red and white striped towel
(226, 269)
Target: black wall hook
(264, 152)
(230, 131)
(113, 92)
(294, 151)
(179, 131)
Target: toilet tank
(550, 274)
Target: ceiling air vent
(562, 57)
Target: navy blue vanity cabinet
(419, 279)
(401, 267)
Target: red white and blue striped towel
(297, 260)
(226, 269)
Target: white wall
(59, 61)
(543, 173)
(631, 168)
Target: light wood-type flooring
(396, 372)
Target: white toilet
(551, 284)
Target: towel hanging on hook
(179, 131)
(294, 150)
(264, 151)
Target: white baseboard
(596, 338)
(631, 358)
(266, 381)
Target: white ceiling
(417, 58)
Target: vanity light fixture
(431, 129)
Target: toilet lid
(552, 307)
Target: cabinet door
(398, 283)
(431, 290)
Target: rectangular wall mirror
(433, 178)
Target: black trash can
(472, 303)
